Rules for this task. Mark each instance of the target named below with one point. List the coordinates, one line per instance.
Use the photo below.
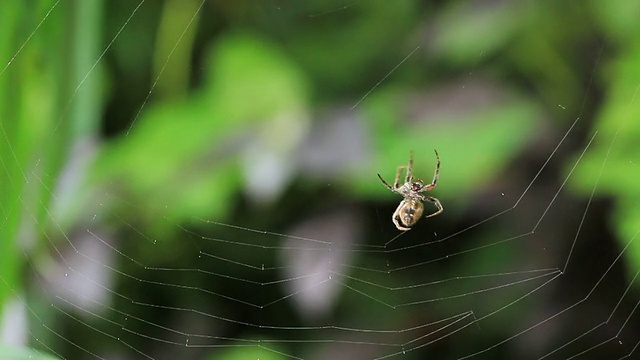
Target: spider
(410, 209)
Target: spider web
(336, 283)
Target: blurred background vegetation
(133, 133)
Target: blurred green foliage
(243, 73)
(614, 157)
(28, 96)
(19, 353)
(243, 352)
(492, 133)
(176, 157)
(42, 114)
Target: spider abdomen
(408, 213)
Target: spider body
(411, 207)
(408, 213)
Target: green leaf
(176, 157)
(8, 352)
(466, 32)
(489, 134)
(249, 352)
(612, 162)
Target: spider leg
(434, 182)
(436, 202)
(396, 182)
(386, 183)
(396, 222)
(409, 176)
(437, 171)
